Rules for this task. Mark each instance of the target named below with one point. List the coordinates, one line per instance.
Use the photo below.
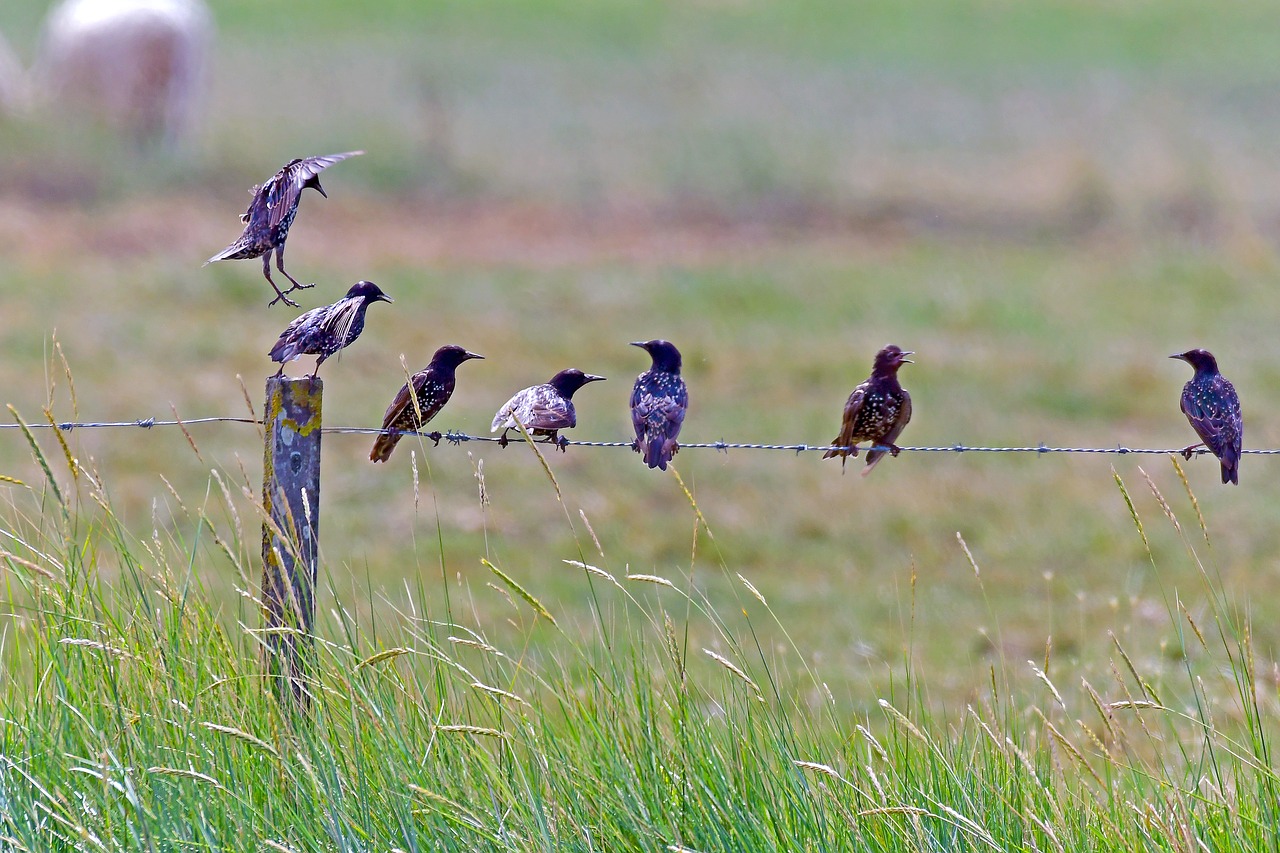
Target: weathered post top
(290, 531)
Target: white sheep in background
(137, 65)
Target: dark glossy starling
(658, 404)
(325, 330)
(543, 409)
(431, 387)
(1211, 405)
(876, 411)
(269, 215)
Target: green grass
(681, 716)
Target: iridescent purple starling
(544, 409)
(271, 212)
(658, 404)
(431, 387)
(325, 330)
(1212, 406)
(877, 410)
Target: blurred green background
(1043, 200)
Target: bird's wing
(401, 404)
(289, 337)
(851, 409)
(340, 318)
(1217, 426)
(904, 416)
(278, 196)
(544, 408)
(312, 166)
(503, 419)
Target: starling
(431, 387)
(876, 411)
(1211, 405)
(325, 330)
(543, 409)
(658, 404)
(271, 212)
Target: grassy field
(1042, 200)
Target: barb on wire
(455, 438)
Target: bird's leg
(1189, 449)
(502, 439)
(561, 442)
(297, 285)
(635, 445)
(315, 373)
(435, 436)
(280, 297)
(894, 450)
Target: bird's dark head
(368, 291)
(452, 355)
(889, 359)
(567, 381)
(665, 355)
(1201, 359)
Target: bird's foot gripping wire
(560, 442)
(502, 440)
(1189, 451)
(435, 437)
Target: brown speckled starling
(877, 410)
(543, 409)
(325, 330)
(431, 387)
(658, 404)
(271, 212)
(1212, 406)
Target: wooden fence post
(291, 531)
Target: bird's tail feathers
(383, 445)
(658, 452)
(873, 459)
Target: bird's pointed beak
(320, 189)
(639, 344)
(382, 297)
(1179, 356)
(906, 360)
(591, 377)
(474, 355)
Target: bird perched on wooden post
(544, 409)
(420, 399)
(877, 411)
(1212, 406)
(659, 401)
(325, 330)
(271, 212)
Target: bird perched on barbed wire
(325, 330)
(544, 409)
(1212, 406)
(271, 212)
(431, 388)
(659, 401)
(877, 411)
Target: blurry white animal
(137, 65)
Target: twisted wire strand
(457, 438)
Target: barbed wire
(455, 438)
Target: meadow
(1043, 201)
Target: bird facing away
(271, 212)
(544, 409)
(431, 387)
(659, 401)
(1211, 405)
(876, 411)
(325, 330)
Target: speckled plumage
(877, 410)
(543, 409)
(1212, 407)
(431, 387)
(271, 212)
(659, 401)
(325, 330)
